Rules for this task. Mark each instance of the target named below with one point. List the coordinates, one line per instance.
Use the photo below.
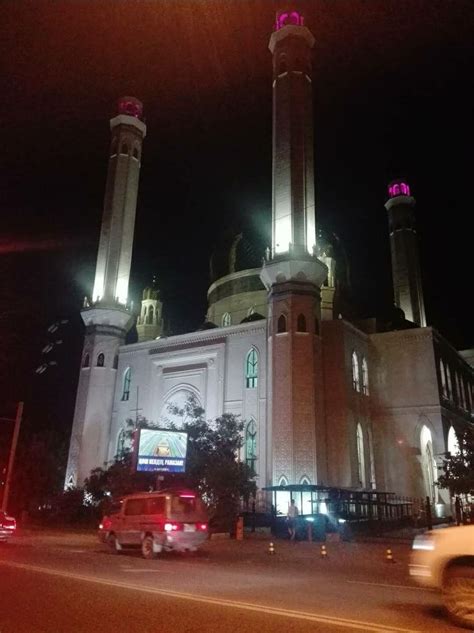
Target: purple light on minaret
(399, 188)
(131, 107)
(288, 18)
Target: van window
(183, 505)
(156, 505)
(135, 506)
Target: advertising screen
(162, 451)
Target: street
(69, 582)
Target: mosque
(326, 398)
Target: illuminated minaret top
(407, 286)
(293, 213)
(118, 221)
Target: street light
(11, 458)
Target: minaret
(106, 316)
(407, 286)
(150, 320)
(293, 275)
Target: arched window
(251, 445)
(226, 319)
(301, 323)
(373, 483)
(251, 369)
(115, 361)
(124, 148)
(360, 457)
(316, 326)
(281, 324)
(453, 444)
(127, 379)
(87, 360)
(151, 314)
(396, 190)
(113, 147)
(283, 481)
(135, 153)
(121, 441)
(428, 463)
(365, 377)
(251, 311)
(282, 66)
(450, 384)
(443, 379)
(100, 360)
(355, 372)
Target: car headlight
(424, 542)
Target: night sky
(391, 85)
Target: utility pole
(11, 459)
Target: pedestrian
(291, 518)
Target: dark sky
(392, 82)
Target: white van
(156, 521)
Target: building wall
(344, 406)
(209, 365)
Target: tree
(458, 475)
(212, 464)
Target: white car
(444, 559)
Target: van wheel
(147, 548)
(458, 593)
(113, 544)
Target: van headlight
(424, 542)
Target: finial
(131, 107)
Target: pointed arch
(151, 314)
(453, 444)
(428, 463)
(226, 319)
(360, 456)
(121, 444)
(283, 481)
(251, 369)
(443, 379)
(370, 437)
(355, 371)
(301, 323)
(305, 480)
(365, 376)
(251, 444)
(87, 361)
(281, 324)
(100, 360)
(449, 382)
(127, 379)
(124, 148)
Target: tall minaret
(407, 286)
(106, 316)
(293, 276)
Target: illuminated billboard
(162, 451)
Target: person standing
(291, 518)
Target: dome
(207, 325)
(255, 316)
(236, 252)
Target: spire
(150, 319)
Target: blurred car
(7, 526)
(156, 522)
(444, 559)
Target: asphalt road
(58, 582)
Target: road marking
(368, 627)
(386, 585)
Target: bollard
(389, 556)
(271, 548)
(324, 552)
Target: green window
(251, 369)
(251, 444)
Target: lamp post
(11, 458)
